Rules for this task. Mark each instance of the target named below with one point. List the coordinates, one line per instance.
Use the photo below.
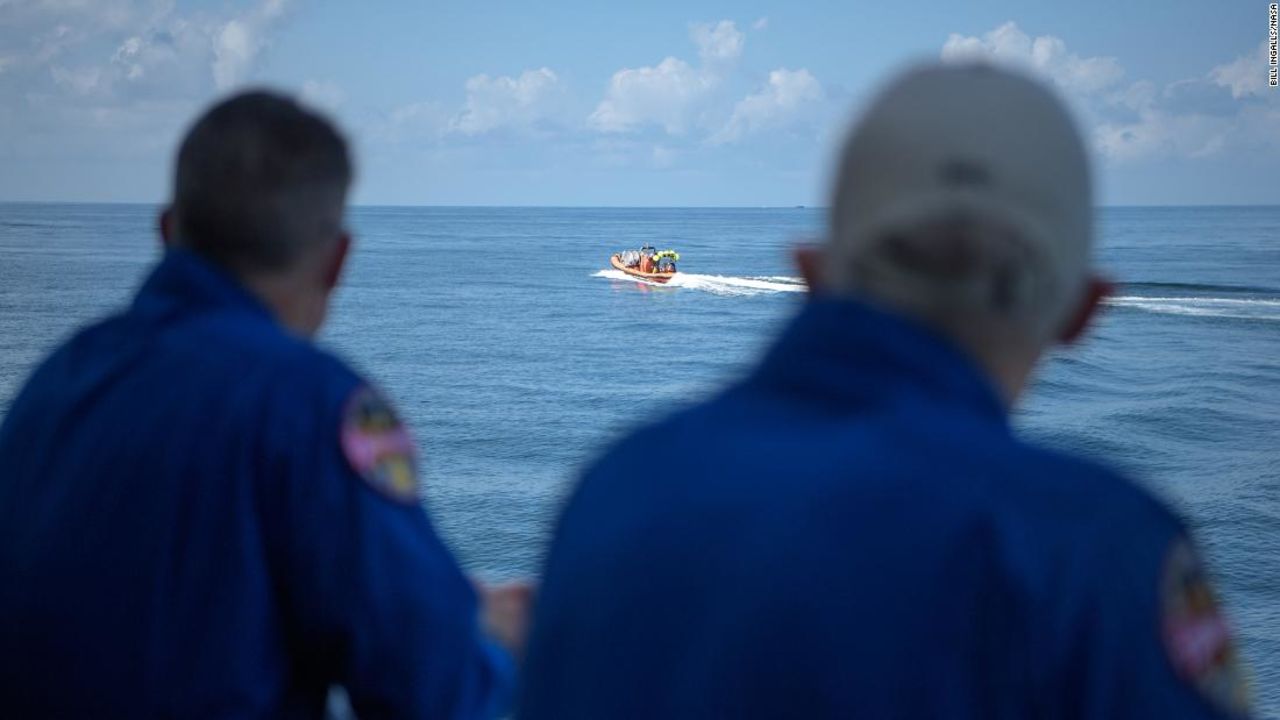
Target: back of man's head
(259, 181)
(963, 198)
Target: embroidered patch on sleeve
(378, 445)
(1196, 635)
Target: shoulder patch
(378, 445)
(1196, 635)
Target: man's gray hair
(259, 181)
(955, 269)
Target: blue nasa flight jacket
(853, 532)
(181, 534)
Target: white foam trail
(1244, 308)
(718, 284)
(721, 285)
(619, 275)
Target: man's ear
(337, 261)
(1097, 290)
(808, 261)
(164, 224)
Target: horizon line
(357, 206)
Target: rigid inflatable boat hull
(635, 273)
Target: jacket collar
(842, 351)
(184, 281)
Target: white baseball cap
(972, 140)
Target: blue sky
(590, 103)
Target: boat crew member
(855, 530)
(646, 258)
(201, 513)
(666, 260)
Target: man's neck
(1004, 357)
(1008, 366)
(288, 300)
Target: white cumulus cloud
(663, 95)
(787, 95)
(1225, 110)
(519, 102)
(112, 49)
(1246, 75)
(135, 68)
(672, 94)
(718, 43)
(1161, 133)
(1045, 54)
(238, 42)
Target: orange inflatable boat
(654, 267)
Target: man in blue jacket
(204, 515)
(854, 530)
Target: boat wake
(1244, 308)
(718, 284)
(1241, 308)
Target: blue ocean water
(516, 355)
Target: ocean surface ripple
(516, 355)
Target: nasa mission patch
(1196, 635)
(378, 445)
